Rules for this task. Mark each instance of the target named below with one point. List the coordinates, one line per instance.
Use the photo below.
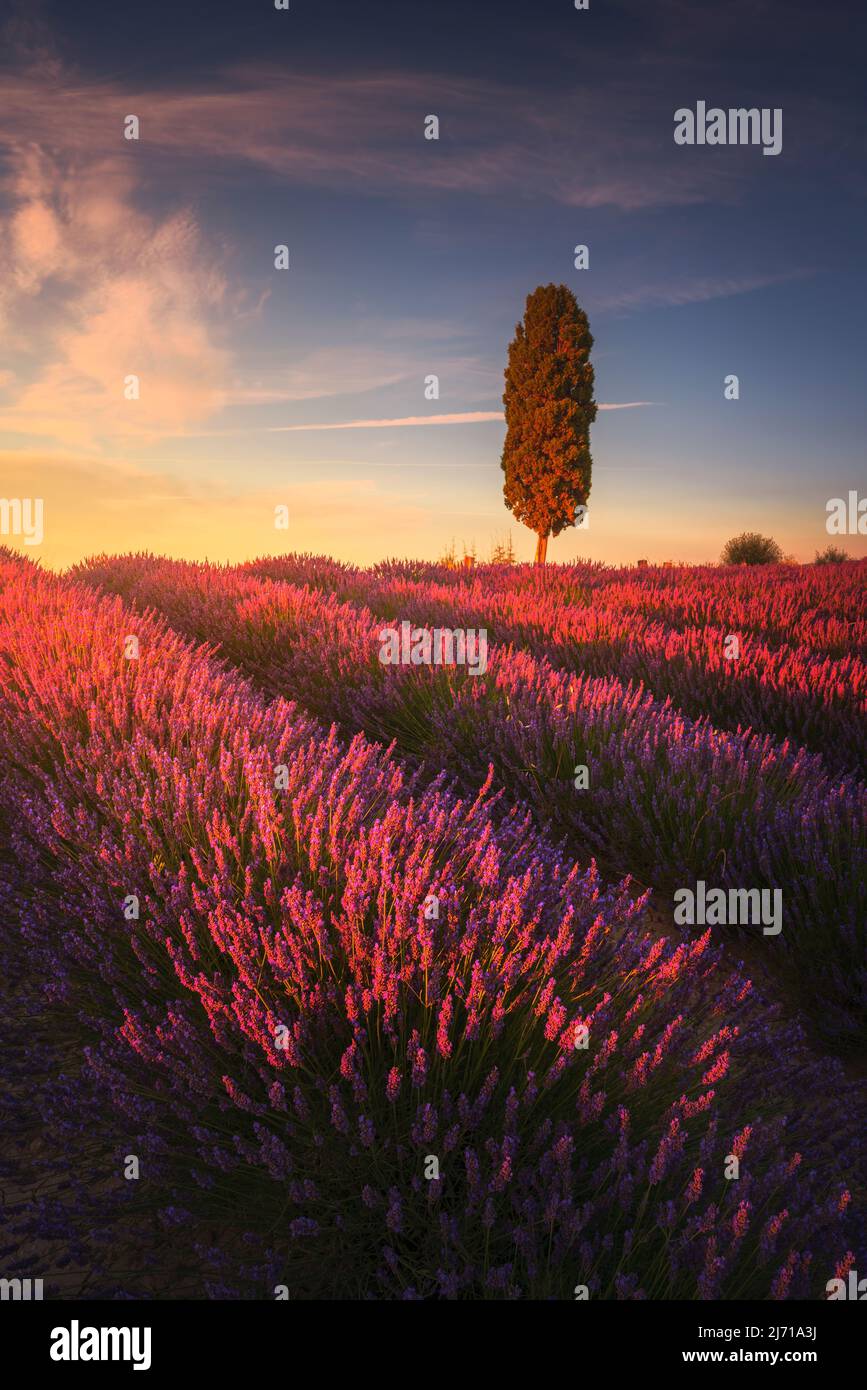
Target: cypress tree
(549, 410)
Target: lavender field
(329, 976)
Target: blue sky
(411, 257)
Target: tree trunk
(541, 549)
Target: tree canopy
(549, 410)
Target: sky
(304, 388)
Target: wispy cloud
(365, 133)
(356, 368)
(697, 290)
(469, 417)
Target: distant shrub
(503, 551)
(832, 555)
(751, 549)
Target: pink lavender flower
(711, 1274)
(771, 1230)
(741, 1220)
(844, 1266)
(419, 1067)
(444, 1046)
(782, 1282)
(693, 1191)
(669, 1147)
(717, 1071)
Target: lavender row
(668, 799)
(728, 674)
(819, 607)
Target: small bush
(832, 555)
(751, 549)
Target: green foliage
(751, 549)
(832, 555)
(549, 410)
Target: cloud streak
(697, 290)
(469, 417)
